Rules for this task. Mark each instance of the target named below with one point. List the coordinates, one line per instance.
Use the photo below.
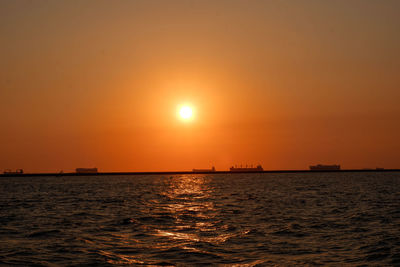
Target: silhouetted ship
(204, 170)
(86, 170)
(247, 169)
(321, 167)
(18, 171)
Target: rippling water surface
(233, 219)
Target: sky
(284, 84)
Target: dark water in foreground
(242, 219)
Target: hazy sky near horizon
(282, 83)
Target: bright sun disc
(185, 112)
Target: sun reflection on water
(178, 216)
(182, 186)
(189, 202)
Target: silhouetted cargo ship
(204, 170)
(247, 169)
(321, 167)
(86, 170)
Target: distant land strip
(188, 172)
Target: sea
(260, 219)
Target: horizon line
(60, 174)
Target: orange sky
(282, 83)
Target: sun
(186, 112)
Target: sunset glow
(174, 85)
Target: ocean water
(330, 219)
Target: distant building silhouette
(321, 167)
(204, 170)
(86, 170)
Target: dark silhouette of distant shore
(189, 172)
